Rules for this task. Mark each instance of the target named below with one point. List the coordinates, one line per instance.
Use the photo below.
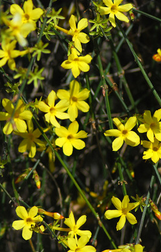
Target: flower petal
(19, 224)
(23, 146)
(125, 7)
(68, 148)
(131, 218)
(110, 214)
(73, 127)
(121, 222)
(82, 24)
(81, 221)
(33, 211)
(131, 122)
(117, 143)
(27, 233)
(116, 202)
(21, 212)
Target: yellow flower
(151, 125)
(74, 226)
(28, 221)
(78, 37)
(77, 63)
(115, 9)
(29, 15)
(30, 138)
(52, 111)
(123, 211)
(17, 121)
(157, 57)
(8, 54)
(75, 98)
(127, 248)
(19, 29)
(123, 133)
(69, 138)
(154, 150)
(80, 245)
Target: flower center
(27, 17)
(16, 115)
(76, 32)
(114, 8)
(153, 125)
(31, 136)
(52, 110)
(124, 132)
(69, 136)
(155, 148)
(124, 211)
(74, 99)
(75, 229)
(29, 221)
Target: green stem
(157, 173)
(147, 15)
(32, 60)
(141, 67)
(11, 198)
(121, 74)
(145, 209)
(121, 178)
(106, 92)
(32, 246)
(76, 185)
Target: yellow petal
(19, 224)
(116, 202)
(27, 233)
(21, 212)
(33, 211)
(131, 218)
(77, 143)
(110, 214)
(131, 122)
(68, 149)
(117, 144)
(121, 222)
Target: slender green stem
(122, 76)
(144, 211)
(141, 67)
(77, 186)
(146, 14)
(106, 92)
(11, 198)
(31, 62)
(157, 173)
(122, 181)
(32, 246)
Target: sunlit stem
(61, 29)
(61, 229)
(32, 246)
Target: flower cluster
(151, 125)
(19, 25)
(75, 62)
(127, 248)
(114, 9)
(76, 238)
(72, 101)
(29, 221)
(123, 211)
